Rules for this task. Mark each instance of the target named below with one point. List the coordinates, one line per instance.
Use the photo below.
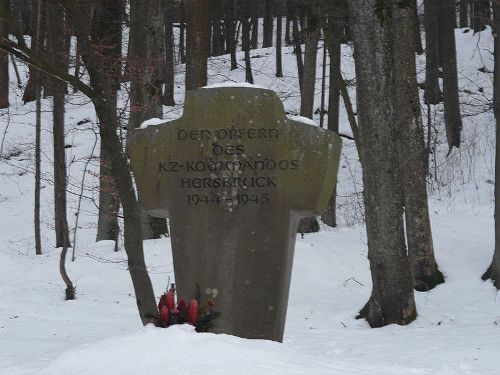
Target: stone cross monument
(235, 176)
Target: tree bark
(58, 54)
(481, 14)
(147, 74)
(197, 42)
(335, 28)
(433, 93)
(4, 56)
(298, 52)
(182, 30)
(419, 49)
(423, 265)
(279, 63)
(267, 40)
(245, 39)
(168, 94)
(464, 13)
(36, 46)
(106, 39)
(230, 37)
(29, 93)
(452, 118)
(311, 37)
(493, 271)
(392, 299)
(254, 22)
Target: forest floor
(458, 326)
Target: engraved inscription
(228, 173)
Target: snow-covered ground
(457, 331)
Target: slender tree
(229, 19)
(197, 42)
(4, 57)
(335, 31)
(245, 38)
(106, 37)
(433, 93)
(268, 24)
(311, 38)
(448, 58)
(280, 10)
(493, 271)
(464, 14)
(58, 48)
(168, 17)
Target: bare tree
(433, 93)
(197, 42)
(392, 299)
(493, 271)
(448, 58)
(413, 157)
(58, 51)
(4, 57)
(335, 31)
(146, 59)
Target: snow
(305, 120)
(234, 84)
(151, 122)
(457, 329)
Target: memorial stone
(235, 176)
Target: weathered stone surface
(235, 175)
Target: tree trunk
(106, 39)
(182, 29)
(419, 49)
(147, 59)
(298, 52)
(335, 28)
(311, 37)
(493, 271)
(29, 93)
(102, 75)
(255, 23)
(143, 289)
(288, 24)
(197, 42)
(392, 298)
(168, 94)
(58, 54)
(425, 272)
(267, 40)
(38, 173)
(4, 56)
(36, 46)
(464, 13)
(433, 93)
(452, 118)
(245, 39)
(230, 37)
(279, 63)
(481, 14)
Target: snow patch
(234, 84)
(305, 120)
(151, 122)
